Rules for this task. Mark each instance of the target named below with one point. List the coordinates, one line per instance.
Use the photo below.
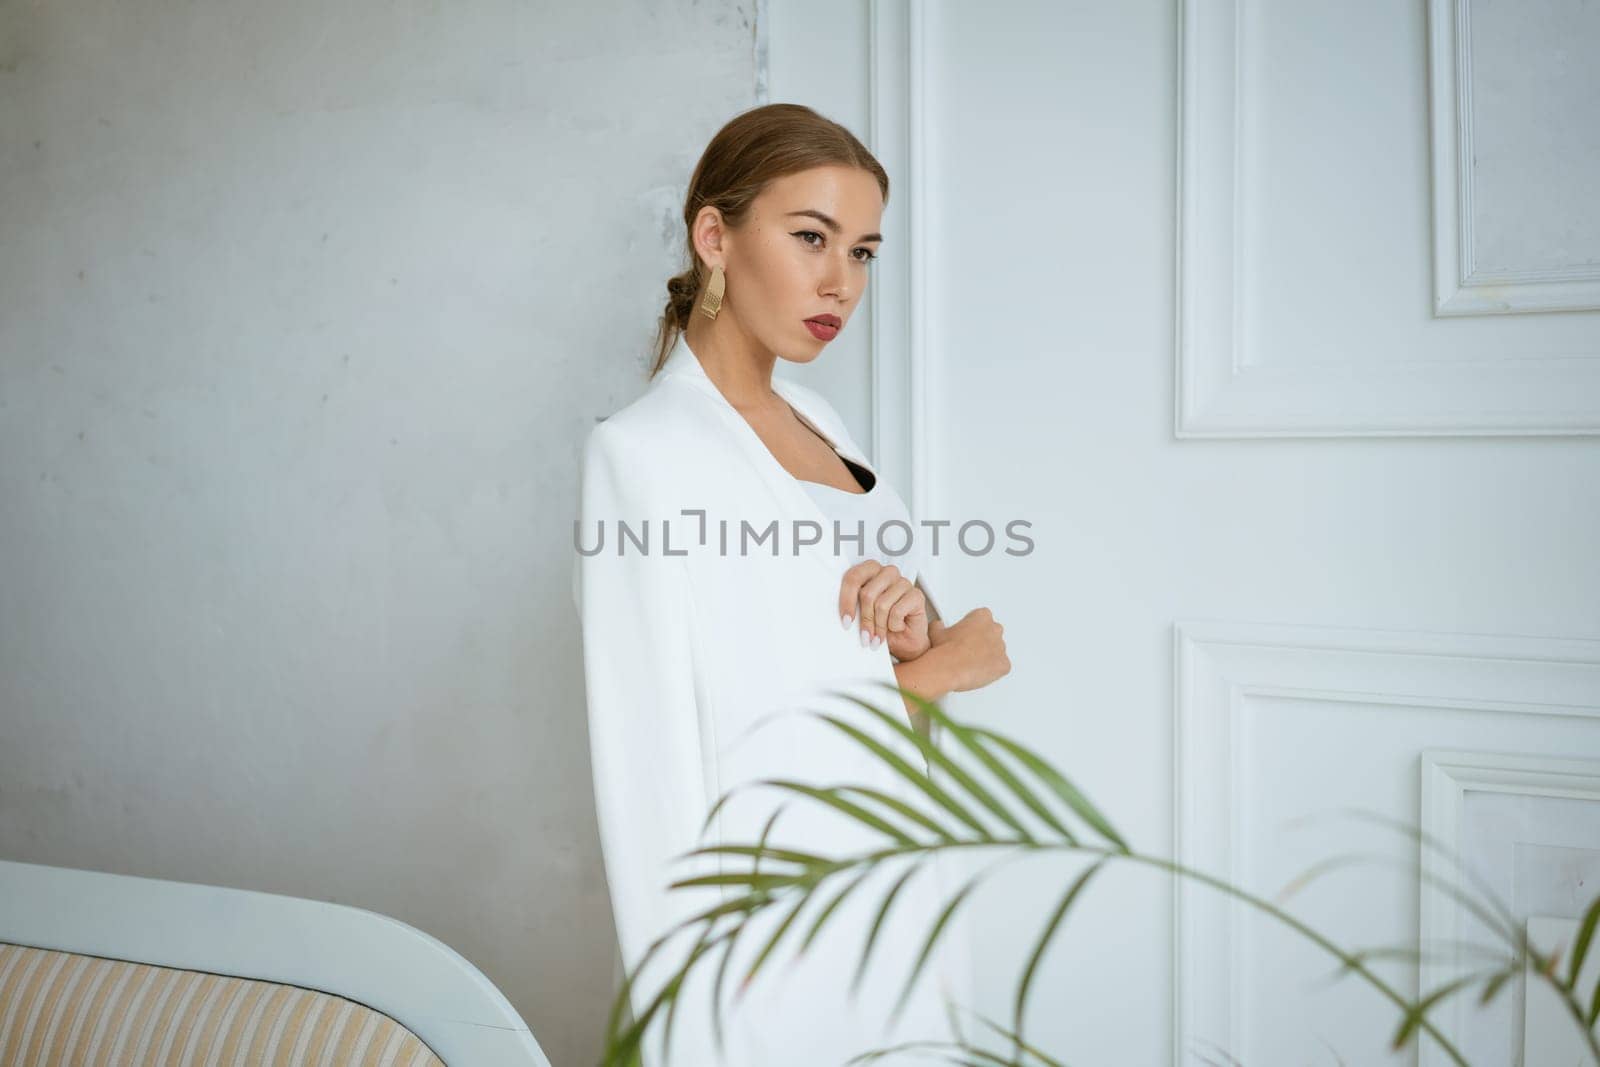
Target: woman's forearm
(928, 677)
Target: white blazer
(689, 648)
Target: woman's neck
(736, 363)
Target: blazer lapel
(793, 501)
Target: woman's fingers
(850, 590)
(883, 607)
(871, 589)
(909, 603)
(868, 594)
(877, 598)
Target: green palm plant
(1041, 811)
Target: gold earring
(712, 301)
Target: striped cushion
(62, 1009)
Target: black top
(864, 478)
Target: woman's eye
(868, 258)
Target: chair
(110, 970)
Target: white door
(1280, 323)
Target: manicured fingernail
(848, 619)
(877, 641)
(865, 639)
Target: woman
(713, 594)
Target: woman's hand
(974, 650)
(886, 607)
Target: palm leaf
(624, 993)
(672, 1007)
(935, 756)
(901, 807)
(1017, 1041)
(1455, 892)
(933, 938)
(972, 743)
(1433, 844)
(1415, 1014)
(763, 852)
(1045, 937)
(766, 831)
(753, 879)
(833, 798)
(955, 1052)
(917, 778)
(877, 923)
(721, 977)
(822, 917)
(772, 943)
(1416, 955)
(1580, 946)
(1492, 987)
(632, 1039)
(1230, 1058)
(1059, 784)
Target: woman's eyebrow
(827, 221)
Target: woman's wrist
(928, 675)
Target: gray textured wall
(304, 311)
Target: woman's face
(802, 252)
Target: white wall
(304, 312)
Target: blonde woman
(714, 592)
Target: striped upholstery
(62, 1009)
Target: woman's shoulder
(663, 408)
(659, 432)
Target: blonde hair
(754, 148)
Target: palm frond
(1045, 937)
(949, 807)
(1429, 843)
(877, 923)
(937, 758)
